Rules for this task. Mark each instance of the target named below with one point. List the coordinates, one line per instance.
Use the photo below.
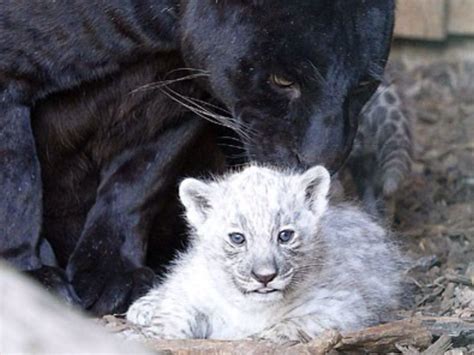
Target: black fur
(89, 167)
(112, 154)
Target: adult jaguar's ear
(194, 195)
(315, 182)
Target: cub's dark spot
(380, 112)
(395, 115)
(391, 99)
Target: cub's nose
(264, 278)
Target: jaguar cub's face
(259, 228)
(294, 74)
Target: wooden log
(442, 345)
(319, 346)
(460, 279)
(385, 337)
(461, 331)
(382, 338)
(411, 333)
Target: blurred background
(434, 30)
(433, 64)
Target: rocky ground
(435, 209)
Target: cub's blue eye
(237, 238)
(286, 235)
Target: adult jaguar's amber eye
(281, 81)
(237, 238)
(286, 236)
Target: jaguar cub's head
(258, 228)
(294, 74)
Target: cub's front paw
(142, 312)
(148, 324)
(283, 334)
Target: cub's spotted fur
(381, 157)
(270, 259)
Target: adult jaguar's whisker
(211, 105)
(194, 110)
(318, 77)
(199, 110)
(187, 69)
(230, 146)
(161, 83)
(203, 112)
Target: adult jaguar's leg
(20, 180)
(21, 203)
(107, 266)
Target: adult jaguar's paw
(55, 280)
(107, 293)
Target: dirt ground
(435, 209)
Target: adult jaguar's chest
(81, 132)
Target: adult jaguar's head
(294, 74)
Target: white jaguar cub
(269, 259)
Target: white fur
(339, 271)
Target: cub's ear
(315, 183)
(194, 195)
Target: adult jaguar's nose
(327, 139)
